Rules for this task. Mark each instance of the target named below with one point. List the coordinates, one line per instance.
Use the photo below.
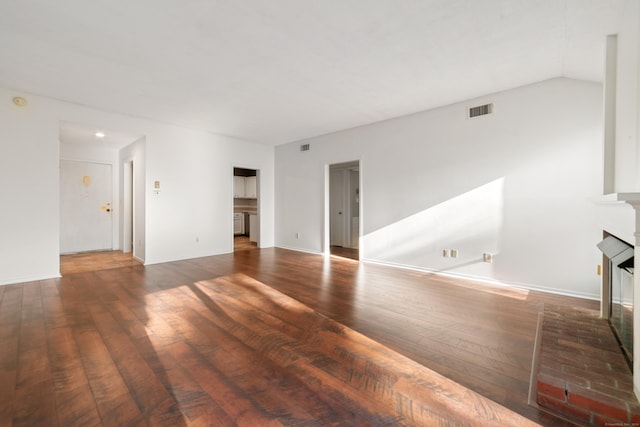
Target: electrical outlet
(487, 257)
(297, 235)
(454, 253)
(446, 253)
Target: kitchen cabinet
(245, 187)
(251, 187)
(238, 223)
(238, 187)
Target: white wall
(518, 184)
(29, 197)
(195, 170)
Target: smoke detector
(19, 101)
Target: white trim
(617, 198)
(26, 279)
(306, 251)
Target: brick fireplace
(581, 372)
(632, 199)
(582, 375)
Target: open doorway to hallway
(98, 198)
(344, 210)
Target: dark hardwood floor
(242, 243)
(345, 252)
(242, 339)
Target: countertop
(252, 211)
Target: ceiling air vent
(304, 147)
(480, 110)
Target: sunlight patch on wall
(471, 223)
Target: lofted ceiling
(276, 71)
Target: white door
(85, 207)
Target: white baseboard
(488, 281)
(26, 279)
(307, 251)
(468, 277)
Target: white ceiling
(82, 134)
(275, 71)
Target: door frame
(348, 165)
(258, 202)
(128, 206)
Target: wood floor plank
(75, 405)
(113, 399)
(239, 408)
(35, 403)
(194, 403)
(231, 356)
(10, 308)
(153, 400)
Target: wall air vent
(480, 110)
(304, 147)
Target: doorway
(94, 164)
(246, 215)
(344, 210)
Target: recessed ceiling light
(100, 134)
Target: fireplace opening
(617, 292)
